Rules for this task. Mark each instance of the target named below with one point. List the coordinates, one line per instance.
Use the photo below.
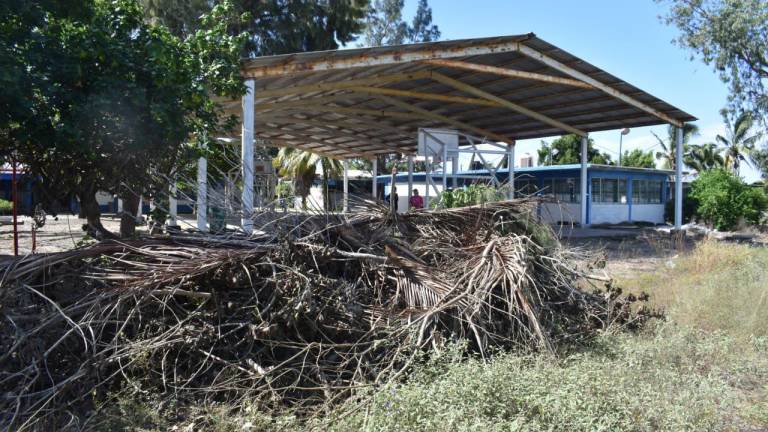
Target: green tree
(638, 158)
(301, 166)
(384, 24)
(667, 154)
(723, 199)
(760, 158)
(732, 37)
(113, 98)
(274, 26)
(739, 140)
(567, 150)
(703, 157)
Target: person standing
(416, 201)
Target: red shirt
(416, 201)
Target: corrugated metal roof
(366, 101)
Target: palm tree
(703, 157)
(301, 165)
(738, 142)
(667, 153)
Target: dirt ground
(55, 236)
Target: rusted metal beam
(341, 85)
(549, 61)
(506, 72)
(448, 120)
(366, 59)
(342, 124)
(425, 96)
(510, 105)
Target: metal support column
(410, 180)
(345, 163)
(374, 174)
(247, 156)
(583, 191)
(454, 171)
(445, 167)
(511, 170)
(172, 204)
(678, 178)
(202, 194)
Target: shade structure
(368, 101)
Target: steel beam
(549, 61)
(510, 105)
(506, 72)
(678, 177)
(366, 59)
(584, 183)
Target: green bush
(689, 209)
(723, 199)
(6, 207)
(468, 196)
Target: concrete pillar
(511, 169)
(678, 178)
(247, 156)
(172, 204)
(374, 174)
(346, 185)
(202, 194)
(410, 179)
(583, 191)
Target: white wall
(568, 213)
(609, 213)
(648, 213)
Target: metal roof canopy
(368, 101)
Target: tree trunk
(90, 209)
(128, 218)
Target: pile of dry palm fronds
(302, 314)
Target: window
(609, 190)
(525, 187)
(566, 190)
(646, 191)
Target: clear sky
(623, 37)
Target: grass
(705, 368)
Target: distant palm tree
(703, 157)
(301, 165)
(667, 153)
(738, 142)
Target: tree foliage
(112, 99)
(638, 158)
(703, 157)
(732, 37)
(301, 166)
(667, 154)
(739, 141)
(567, 150)
(723, 199)
(384, 24)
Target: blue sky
(623, 37)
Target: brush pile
(300, 315)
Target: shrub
(468, 196)
(723, 199)
(689, 209)
(6, 207)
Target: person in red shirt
(416, 201)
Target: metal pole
(410, 180)
(621, 138)
(584, 196)
(375, 173)
(172, 204)
(345, 163)
(445, 167)
(679, 178)
(202, 192)
(140, 210)
(15, 199)
(246, 220)
(511, 170)
(454, 171)
(427, 180)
